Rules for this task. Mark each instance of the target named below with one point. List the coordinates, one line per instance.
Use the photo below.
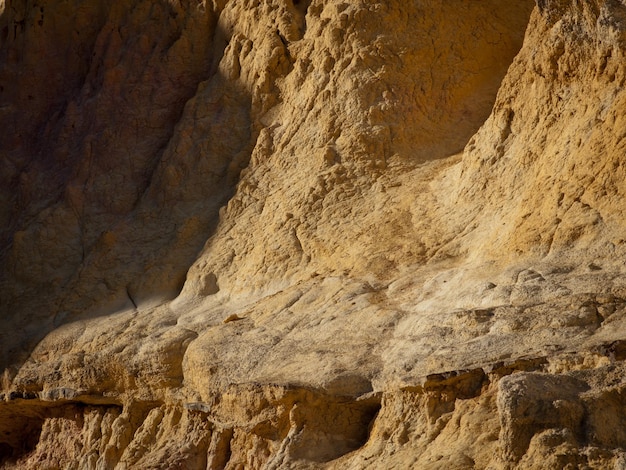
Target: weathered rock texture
(312, 234)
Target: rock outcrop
(312, 234)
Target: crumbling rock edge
(520, 410)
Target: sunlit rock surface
(312, 234)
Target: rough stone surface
(312, 234)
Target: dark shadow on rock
(117, 150)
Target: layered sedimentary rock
(312, 234)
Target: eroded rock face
(554, 138)
(245, 234)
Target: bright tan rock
(246, 235)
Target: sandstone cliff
(312, 234)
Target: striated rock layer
(312, 234)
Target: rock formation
(312, 234)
